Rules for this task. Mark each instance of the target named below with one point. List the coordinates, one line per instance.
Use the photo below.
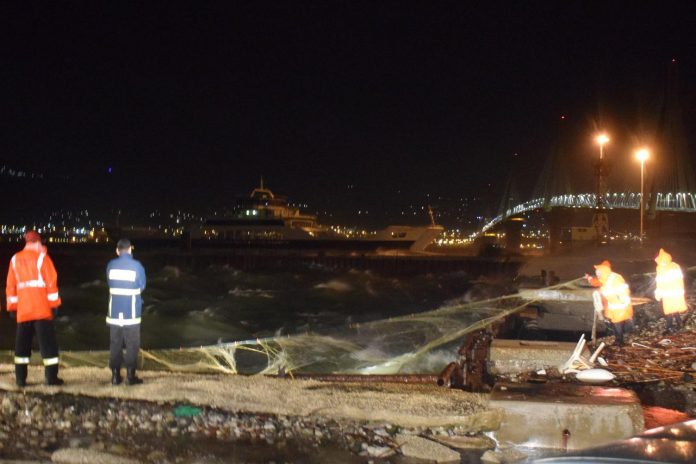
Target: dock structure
(403, 264)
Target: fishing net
(422, 342)
(417, 343)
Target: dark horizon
(344, 106)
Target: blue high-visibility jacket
(126, 278)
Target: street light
(600, 220)
(601, 139)
(642, 155)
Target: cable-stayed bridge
(561, 192)
(679, 202)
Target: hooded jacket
(616, 294)
(32, 284)
(669, 284)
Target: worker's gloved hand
(13, 314)
(55, 312)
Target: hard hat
(604, 264)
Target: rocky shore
(72, 425)
(36, 426)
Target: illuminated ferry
(265, 220)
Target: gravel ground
(174, 418)
(403, 404)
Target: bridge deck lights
(642, 155)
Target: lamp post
(600, 220)
(642, 155)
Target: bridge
(678, 202)
(670, 187)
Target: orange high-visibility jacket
(32, 286)
(670, 287)
(616, 297)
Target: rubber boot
(668, 325)
(131, 378)
(21, 375)
(51, 374)
(116, 378)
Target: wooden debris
(654, 357)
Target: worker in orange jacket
(616, 298)
(32, 297)
(669, 289)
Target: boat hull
(316, 244)
(414, 239)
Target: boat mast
(432, 217)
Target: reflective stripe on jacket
(670, 288)
(616, 296)
(32, 285)
(126, 279)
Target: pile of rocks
(40, 427)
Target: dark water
(191, 306)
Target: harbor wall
(393, 265)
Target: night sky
(342, 105)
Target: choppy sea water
(186, 306)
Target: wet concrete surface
(564, 415)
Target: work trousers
(128, 336)
(46, 335)
(620, 328)
(674, 321)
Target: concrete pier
(567, 309)
(565, 416)
(516, 356)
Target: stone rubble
(73, 429)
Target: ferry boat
(264, 219)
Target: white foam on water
(251, 293)
(369, 289)
(208, 311)
(433, 361)
(171, 271)
(369, 354)
(335, 285)
(92, 283)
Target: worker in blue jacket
(126, 278)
